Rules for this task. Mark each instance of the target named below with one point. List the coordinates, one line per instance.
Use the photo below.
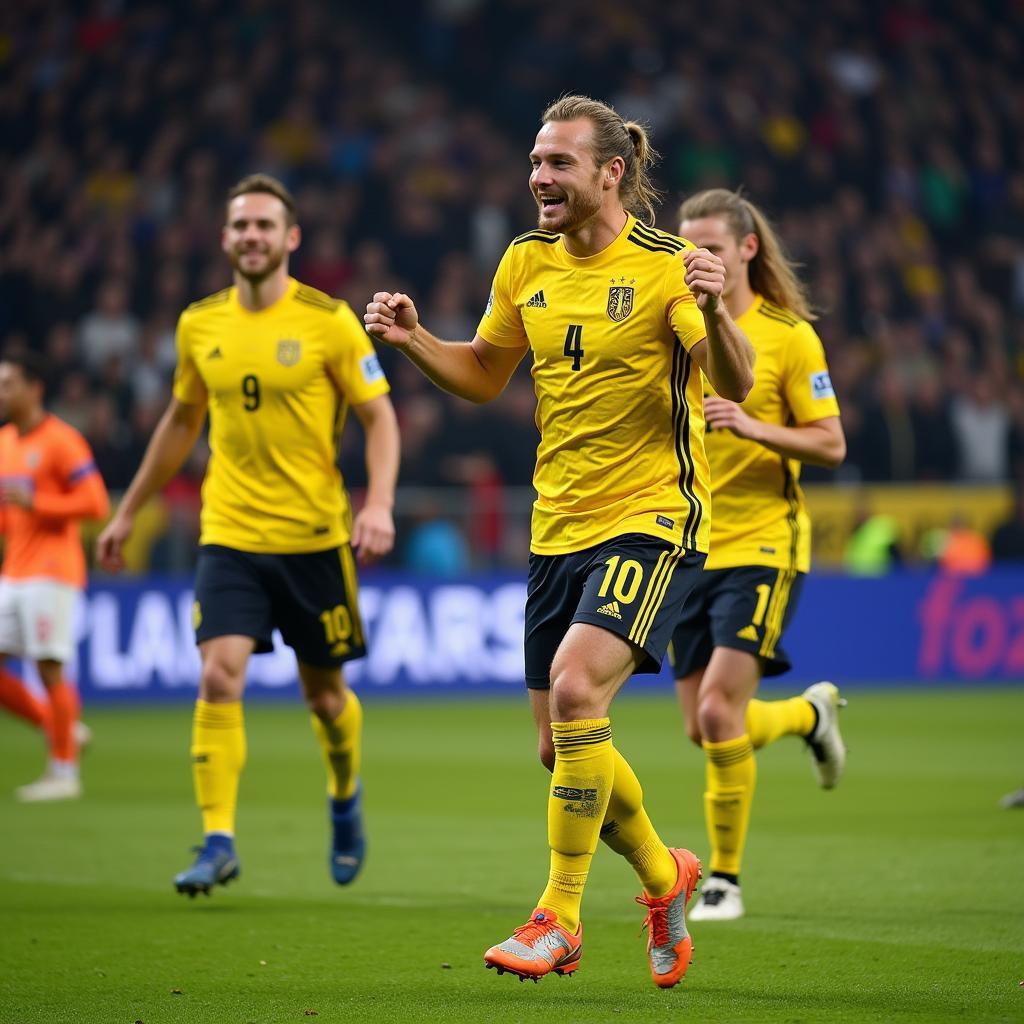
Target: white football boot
(719, 900)
(826, 742)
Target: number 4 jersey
(619, 403)
(279, 383)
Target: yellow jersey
(279, 382)
(619, 399)
(760, 517)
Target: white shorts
(37, 619)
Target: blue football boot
(216, 864)
(348, 843)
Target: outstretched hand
(705, 277)
(392, 318)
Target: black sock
(735, 879)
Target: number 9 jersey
(279, 383)
(619, 402)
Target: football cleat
(826, 742)
(719, 900)
(669, 946)
(216, 864)
(50, 787)
(1014, 799)
(83, 736)
(348, 843)
(537, 948)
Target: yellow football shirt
(760, 517)
(279, 382)
(619, 403)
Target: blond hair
(772, 273)
(269, 185)
(615, 137)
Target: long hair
(772, 272)
(614, 137)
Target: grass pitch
(897, 897)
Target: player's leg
(19, 700)
(232, 621)
(337, 719)
(47, 611)
(316, 606)
(728, 682)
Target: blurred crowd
(885, 139)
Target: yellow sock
(218, 756)
(768, 720)
(580, 789)
(731, 777)
(629, 832)
(341, 743)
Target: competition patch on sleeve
(490, 302)
(821, 385)
(370, 365)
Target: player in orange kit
(48, 482)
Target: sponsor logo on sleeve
(821, 385)
(490, 302)
(370, 365)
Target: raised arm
(173, 439)
(725, 355)
(476, 370)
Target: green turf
(896, 898)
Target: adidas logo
(611, 608)
(537, 301)
(216, 354)
(748, 633)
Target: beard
(577, 209)
(272, 259)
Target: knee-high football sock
(769, 720)
(629, 832)
(580, 790)
(218, 756)
(731, 777)
(17, 698)
(63, 716)
(341, 744)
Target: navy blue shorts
(745, 609)
(633, 585)
(313, 598)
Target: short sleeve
(502, 322)
(806, 383)
(188, 385)
(351, 360)
(685, 319)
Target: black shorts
(744, 609)
(312, 598)
(633, 585)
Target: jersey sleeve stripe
(660, 237)
(216, 299)
(536, 236)
(781, 317)
(636, 240)
(681, 365)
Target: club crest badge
(289, 351)
(620, 302)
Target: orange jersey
(54, 462)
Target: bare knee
(718, 718)
(572, 695)
(221, 681)
(326, 704)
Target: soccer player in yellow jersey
(276, 364)
(620, 319)
(733, 620)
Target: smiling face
(566, 182)
(257, 237)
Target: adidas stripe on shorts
(633, 585)
(746, 608)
